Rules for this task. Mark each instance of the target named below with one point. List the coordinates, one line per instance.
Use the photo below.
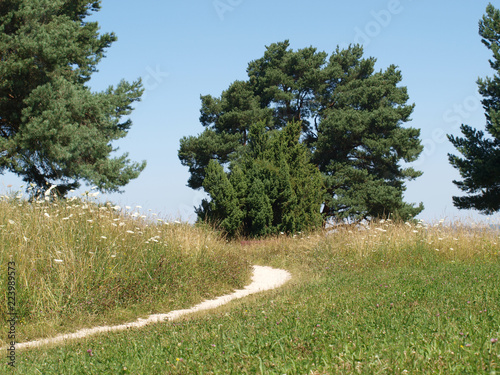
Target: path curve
(263, 278)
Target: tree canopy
(480, 164)
(53, 128)
(351, 121)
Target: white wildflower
(47, 193)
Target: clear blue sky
(184, 49)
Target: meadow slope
(380, 298)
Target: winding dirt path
(264, 278)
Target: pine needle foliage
(53, 129)
(480, 165)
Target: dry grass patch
(79, 264)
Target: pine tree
(53, 128)
(480, 165)
(360, 141)
(351, 121)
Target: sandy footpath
(264, 278)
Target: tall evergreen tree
(480, 165)
(227, 120)
(359, 141)
(352, 122)
(53, 128)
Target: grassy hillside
(79, 264)
(383, 298)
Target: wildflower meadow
(380, 297)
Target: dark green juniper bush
(272, 187)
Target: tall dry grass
(80, 263)
(382, 240)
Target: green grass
(388, 299)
